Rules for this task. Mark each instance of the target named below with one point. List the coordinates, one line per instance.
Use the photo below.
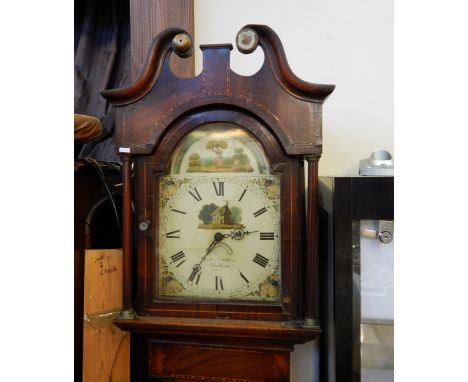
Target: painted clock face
(219, 230)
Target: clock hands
(195, 270)
(197, 267)
(238, 234)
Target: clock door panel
(220, 173)
(205, 363)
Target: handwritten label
(104, 270)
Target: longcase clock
(219, 231)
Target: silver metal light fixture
(379, 163)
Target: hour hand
(249, 232)
(238, 234)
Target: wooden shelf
(286, 332)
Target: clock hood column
(127, 235)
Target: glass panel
(373, 282)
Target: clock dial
(219, 237)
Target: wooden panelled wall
(147, 19)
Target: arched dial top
(219, 231)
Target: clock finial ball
(182, 45)
(246, 40)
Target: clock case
(278, 109)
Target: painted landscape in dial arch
(215, 160)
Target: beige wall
(346, 43)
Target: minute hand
(197, 267)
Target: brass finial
(246, 40)
(182, 45)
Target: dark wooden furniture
(189, 339)
(343, 200)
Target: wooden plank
(88, 191)
(106, 349)
(147, 19)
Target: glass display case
(356, 268)
(373, 282)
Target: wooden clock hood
(274, 94)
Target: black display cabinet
(356, 278)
